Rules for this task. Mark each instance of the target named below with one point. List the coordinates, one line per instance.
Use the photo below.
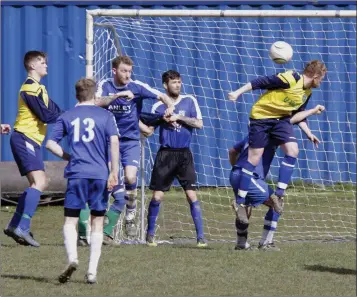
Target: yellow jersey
(285, 95)
(35, 110)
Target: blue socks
(119, 201)
(285, 173)
(130, 198)
(18, 213)
(153, 212)
(247, 174)
(270, 225)
(25, 209)
(196, 214)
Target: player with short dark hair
(270, 119)
(35, 111)
(174, 158)
(88, 129)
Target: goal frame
(91, 14)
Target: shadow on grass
(37, 279)
(337, 270)
(193, 247)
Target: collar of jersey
(119, 87)
(35, 80)
(178, 100)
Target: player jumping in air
(270, 120)
(259, 192)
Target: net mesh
(217, 55)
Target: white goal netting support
(216, 52)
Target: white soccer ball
(281, 52)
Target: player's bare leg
(130, 173)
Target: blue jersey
(262, 169)
(179, 136)
(88, 129)
(127, 112)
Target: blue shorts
(259, 191)
(129, 152)
(83, 190)
(280, 131)
(27, 153)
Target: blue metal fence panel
(60, 31)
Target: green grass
(301, 268)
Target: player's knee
(40, 183)
(157, 196)
(191, 196)
(293, 151)
(130, 179)
(97, 222)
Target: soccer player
(259, 191)
(270, 119)
(88, 129)
(174, 158)
(5, 129)
(36, 110)
(126, 112)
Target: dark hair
(85, 89)
(170, 74)
(32, 55)
(315, 67)
(122, 59)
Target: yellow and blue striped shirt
(35, 110)
(285, 95)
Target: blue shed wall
(60, 31)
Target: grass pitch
(301, 268)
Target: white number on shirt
(89, 126)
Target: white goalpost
(217, 51)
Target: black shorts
(171, 163)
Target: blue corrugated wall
(60, 31)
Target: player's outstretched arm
(57, 150)
(304, 127)
(302, 115)
(5, 129)
(233, 96)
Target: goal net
(218, 53)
